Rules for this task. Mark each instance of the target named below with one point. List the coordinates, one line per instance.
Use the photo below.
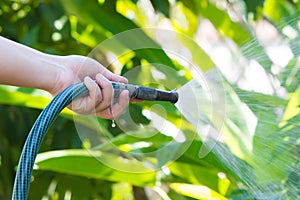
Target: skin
(26, 67)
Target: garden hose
(47, 116)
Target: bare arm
(26, 67)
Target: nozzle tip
(175, 97)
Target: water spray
(47, 116)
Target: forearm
(26, 67)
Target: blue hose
(47, 116)
(36, 135)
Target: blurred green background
(253, 43)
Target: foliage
(258, 159)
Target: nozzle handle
(145, 93)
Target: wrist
(65, 71)
(51, 79)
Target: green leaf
(61, 186)
(36, 99)
(219, 159)
(239, 32)
(88, 164)
(102, 17)
(199, 56)
(200, 175)
(239, 125)
(89, 36)
(258, 102)
(183, 19)
(278, 10)
(274, 151)
(254, 6)
(275, 140)
(240, 194)
(221, 20)
(12, 97)
(161, 6)
(196, 191)
(126, 142)
(122, 191)
(293, 106)
(40, 101)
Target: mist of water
(244, 133)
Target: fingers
(119, 107)
(95, 95)
(113, 110)
(116, 109)
(113, 77)
(136, 100)
(100, 99)
(107, 93)
(87, 104)
(90, 67)
(106, 108)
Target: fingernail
(123, 80)
(86, 79)
(126, 94)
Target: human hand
(74, 69)
(26, 67)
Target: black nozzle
(144, 93)
(147, 93)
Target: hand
(100, 101)
(26, 67)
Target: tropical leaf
(200, 175)
(196, 191)
(92, 12)
(239, 32)
(259, 157)
(88, 164)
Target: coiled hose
(47, 116)
(36, 135)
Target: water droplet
(113, 124)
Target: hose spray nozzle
(145, 93)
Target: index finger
(113, 77)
